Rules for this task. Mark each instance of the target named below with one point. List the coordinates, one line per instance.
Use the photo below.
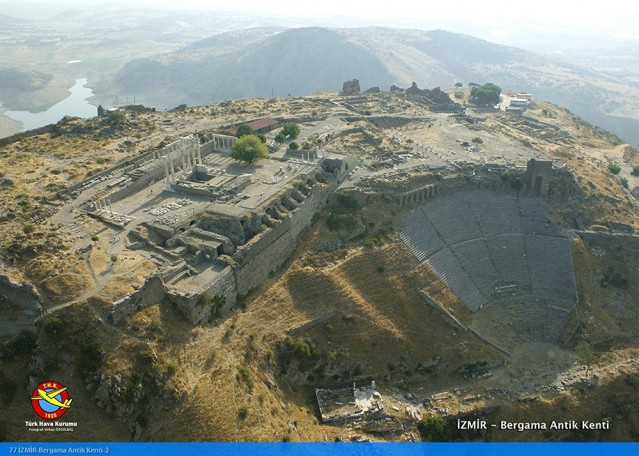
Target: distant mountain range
(267, 62)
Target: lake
(75, 105)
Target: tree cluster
(249, 149)
(291, 130)
(244, 130)
(488, 94)
(434, 428)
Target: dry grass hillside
(380, 329)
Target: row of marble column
(104, 205)
(185, 152)
(309, 156)
(223, 142)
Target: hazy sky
(615, 19)
(618, 17)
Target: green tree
(488, 94)
(244, 130)
(332, 221)
(117, 119)
(614, 168)
(291, 130)
(434, 428)
(249, 149)
(347, 201)
(280, 138)
(516, 183)
(624, 182)
(262, 138)
(635, 171)
(20, 346)
(293, 146)
(478, 140)
(587, 355)
(459, 84)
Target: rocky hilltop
(183, 295)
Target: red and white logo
(50, 400)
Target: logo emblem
(50, 400)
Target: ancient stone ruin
(351, 87)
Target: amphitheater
(503, 257)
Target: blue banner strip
(324, 449)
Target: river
(75, 105)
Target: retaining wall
(195, 312)
(152, 292)
(451, 320)
(24, 295)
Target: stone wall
(136, 186)
(442, 311)
(303, 215)
(488, 341)
(255, 261)
(451, 320)
(195, 312)
(264, 255)
(24, 295)
(152, 292)
(252, 263)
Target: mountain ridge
(264, 62)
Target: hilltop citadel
(490, 207)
